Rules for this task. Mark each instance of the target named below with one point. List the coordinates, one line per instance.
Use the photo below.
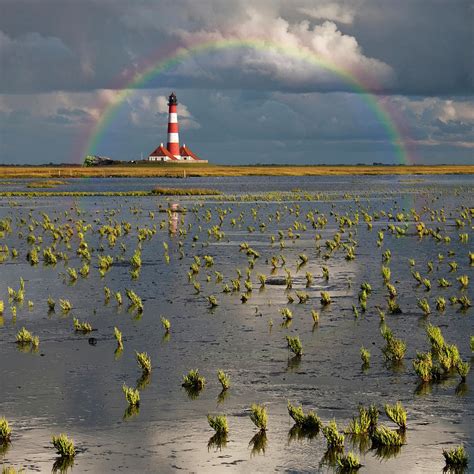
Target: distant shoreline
(196, 170)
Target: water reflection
(298, 433)
(63, 464)
(222, 396)
(192, 391)
(330, 457)
(259, 443)
(294, 363)
(131, 411)
(217, 442)
(386, 452)
(462, 389)
(143, 381)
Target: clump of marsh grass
(383, 436)
(64, 446)
(395, 348)
(118, 337)
(456, 458)
(144, 361)
(315, 316)
(348, 462)
(166, 324)
(365, 356)
(365, 422)
(303, 297)
(83, 327)
(224, 379)
(135, 300)
(212, 301)
(334, 439)
(463, 281)
(440, 303)
(325, 273)
(5, 431)
(193, 380)
(286, 313)
(51, 304)
(325, 298)
(397, 414)
(423, 365)
(25, 337)
(463, 369)
(258, 414)
(107, 294)
(66, 305)
(386, 274)
(307, 422)
(393, 306)
(443, 283)
(12, 470)
(132, 395)
(294, 344)
(425, 306)
(218, 423)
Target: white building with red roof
(173, 152)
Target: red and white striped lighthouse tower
(173, 127)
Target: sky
(65, 63)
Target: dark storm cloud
(411, 47)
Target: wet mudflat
(287, 229)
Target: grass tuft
(64, 446)
(258, 414)
(144, 361)
(224, 379)
(397, 414)
(5, 431)
(456, 458)
(218, 423)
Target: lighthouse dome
(172, 100)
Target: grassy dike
(196, 170)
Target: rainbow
(127, 83)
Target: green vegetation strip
(154, 192)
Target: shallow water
(74, 387)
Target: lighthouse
(173, 126)
(173, 152)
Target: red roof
(162, 151)
(185, 151)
